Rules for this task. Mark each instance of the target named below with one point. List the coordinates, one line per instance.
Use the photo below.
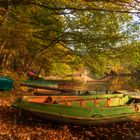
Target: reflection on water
(125, 83)
(116, 83)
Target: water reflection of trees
(119, 83)
(125, 83)
(116, 83)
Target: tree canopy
(70, 34)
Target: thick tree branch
(76, 8)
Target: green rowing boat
(39, 82)
(83, 110)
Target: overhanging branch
(76, 8)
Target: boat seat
(48, 100)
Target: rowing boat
(40, 82)
(83, 110)
(6, 83)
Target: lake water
(116, 83)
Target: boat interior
(71, 100)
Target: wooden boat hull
(85, 112)
(39, 83)
(6, 83)
(65, 92)
(83, 121)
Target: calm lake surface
(115, 83)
